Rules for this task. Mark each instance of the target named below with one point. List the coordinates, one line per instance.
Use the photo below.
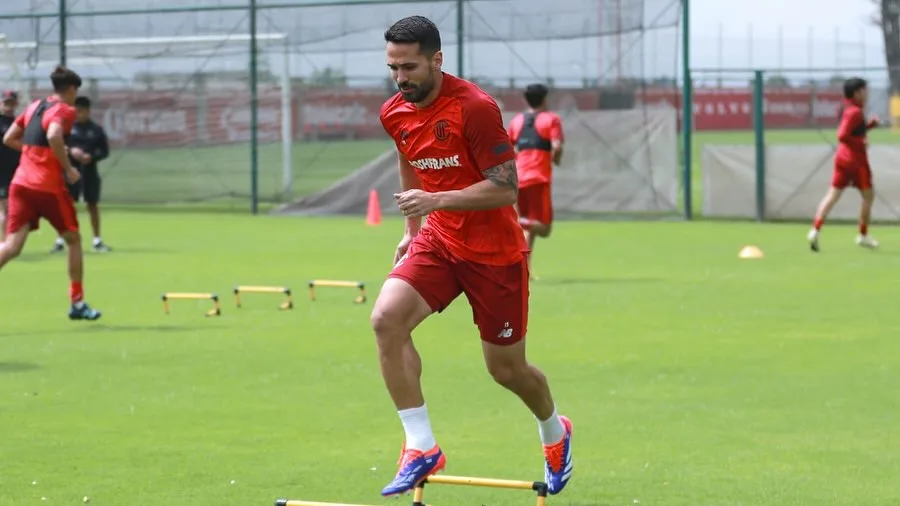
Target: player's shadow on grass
(10, 367)
(595, 281)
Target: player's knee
(71, 237)
(506, 374)
(388, 324)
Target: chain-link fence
(172, 83)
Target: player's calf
(12, 245)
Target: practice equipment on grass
(538, 487)
(339, 284)
(215, 311)
(287, 304)
(750, 252)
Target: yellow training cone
(750, 252)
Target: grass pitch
(692, 377)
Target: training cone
(373, 214)
(750, 253)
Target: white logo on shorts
(506, 333)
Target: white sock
(551, 429)
(59, 241)
(418, 428)
(97, 240)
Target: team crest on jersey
(403, 135)
(442, 130)
(436, 163)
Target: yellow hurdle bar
(287, 304)
(338, 284)
(539, 487)
(215, 311)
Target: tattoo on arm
(503, 175)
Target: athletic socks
(863, 229)
(817, 224)
(551, 429)
(76, 293)
(418, 428)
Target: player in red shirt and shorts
(458, 168)
(851, 164)
(39, 189)
(538, 137)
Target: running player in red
(851, 164)
(538, 137)
(458, 168)
(39, 188)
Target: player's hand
(72, 175)
(86, 158)
(874, 121)
(416, 203)
(402, 248)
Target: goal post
(216, 67)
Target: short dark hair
(83, 102)
(535, 94)
(415, 29)
(852, 85)
(62, 78)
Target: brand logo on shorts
(436, 163)
(506, 333)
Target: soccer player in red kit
(851, 164)
(39, 188)
(538, 137)
(457, 167)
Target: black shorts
(88, 186)
(6, 177)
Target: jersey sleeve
(62, 114)
(556, 129)
(850, 121)
(483, 131)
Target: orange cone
(373, 215)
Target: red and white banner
(169, 119)
(732, 109)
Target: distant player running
(851, 164)
(538, 137)
(39, 188)
(458, 168)
(9, 157)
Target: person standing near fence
(9, 158)
(88, 145)
(537, 135)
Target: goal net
(177, 111)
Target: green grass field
(692, 377)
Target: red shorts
(28, 206)
(535, 203)
(498, 295)
(859, 176)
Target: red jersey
(852, 136)
(535, 164)
(38, 167)
(449, 144)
